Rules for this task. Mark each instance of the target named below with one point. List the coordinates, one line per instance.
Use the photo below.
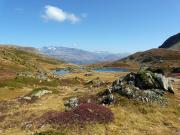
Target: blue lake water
(64, 71)
(61, 72)
(111, 70)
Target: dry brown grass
(131, 117)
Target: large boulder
(144, 86)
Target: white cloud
(57, 14)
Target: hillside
(79, 56)
(42, 103)
(166, 56)
(15, 59)
(155, 57)
(172, 43)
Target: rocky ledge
(144, 86)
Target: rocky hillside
(172, 43)
(154, 57)
(79, 56)
(15, 59)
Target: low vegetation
(85, 113)
(47, 115)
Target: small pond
(61, 72)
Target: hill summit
(172, 43)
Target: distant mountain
(78, 56)
(172, 43)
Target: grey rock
(143, 86)
(27, 98)
(165, 83)
(41, 93)
(109, 99)
(71, 103)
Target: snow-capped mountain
(79, 56)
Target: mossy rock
(146, 80)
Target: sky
(95, 25)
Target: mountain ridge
(80, 56)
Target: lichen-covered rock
(144, 86)
(41, 93)
(71, 103)
(146, 80)
(108, 98)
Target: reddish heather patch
(82, 114)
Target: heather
(85, 113)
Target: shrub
(85, 113)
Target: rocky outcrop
(144, 86)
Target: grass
(18, 59)
(20, 82)
(130, 117)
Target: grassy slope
(15, 59)
(130, 117)
(150, 58)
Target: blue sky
(95, 25)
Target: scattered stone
(71, 103)
(109, 99)
(41, 93)
(27, 98)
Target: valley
(40, 95)
(89, 67)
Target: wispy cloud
(58, 14)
